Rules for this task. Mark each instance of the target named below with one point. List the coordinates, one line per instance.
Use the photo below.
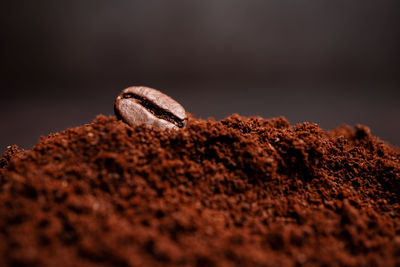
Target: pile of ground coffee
(241, 191)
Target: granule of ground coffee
(240, 191)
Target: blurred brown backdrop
(328, 62)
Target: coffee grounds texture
(236, 192)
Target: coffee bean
(139, 104)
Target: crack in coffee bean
(156, 110)
(138, 104)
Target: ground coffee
(241, 191)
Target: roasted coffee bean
(139, 104)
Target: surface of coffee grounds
(241, 191)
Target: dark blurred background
(323, 61)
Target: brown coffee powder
(241, 191)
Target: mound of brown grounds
(241, 191)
